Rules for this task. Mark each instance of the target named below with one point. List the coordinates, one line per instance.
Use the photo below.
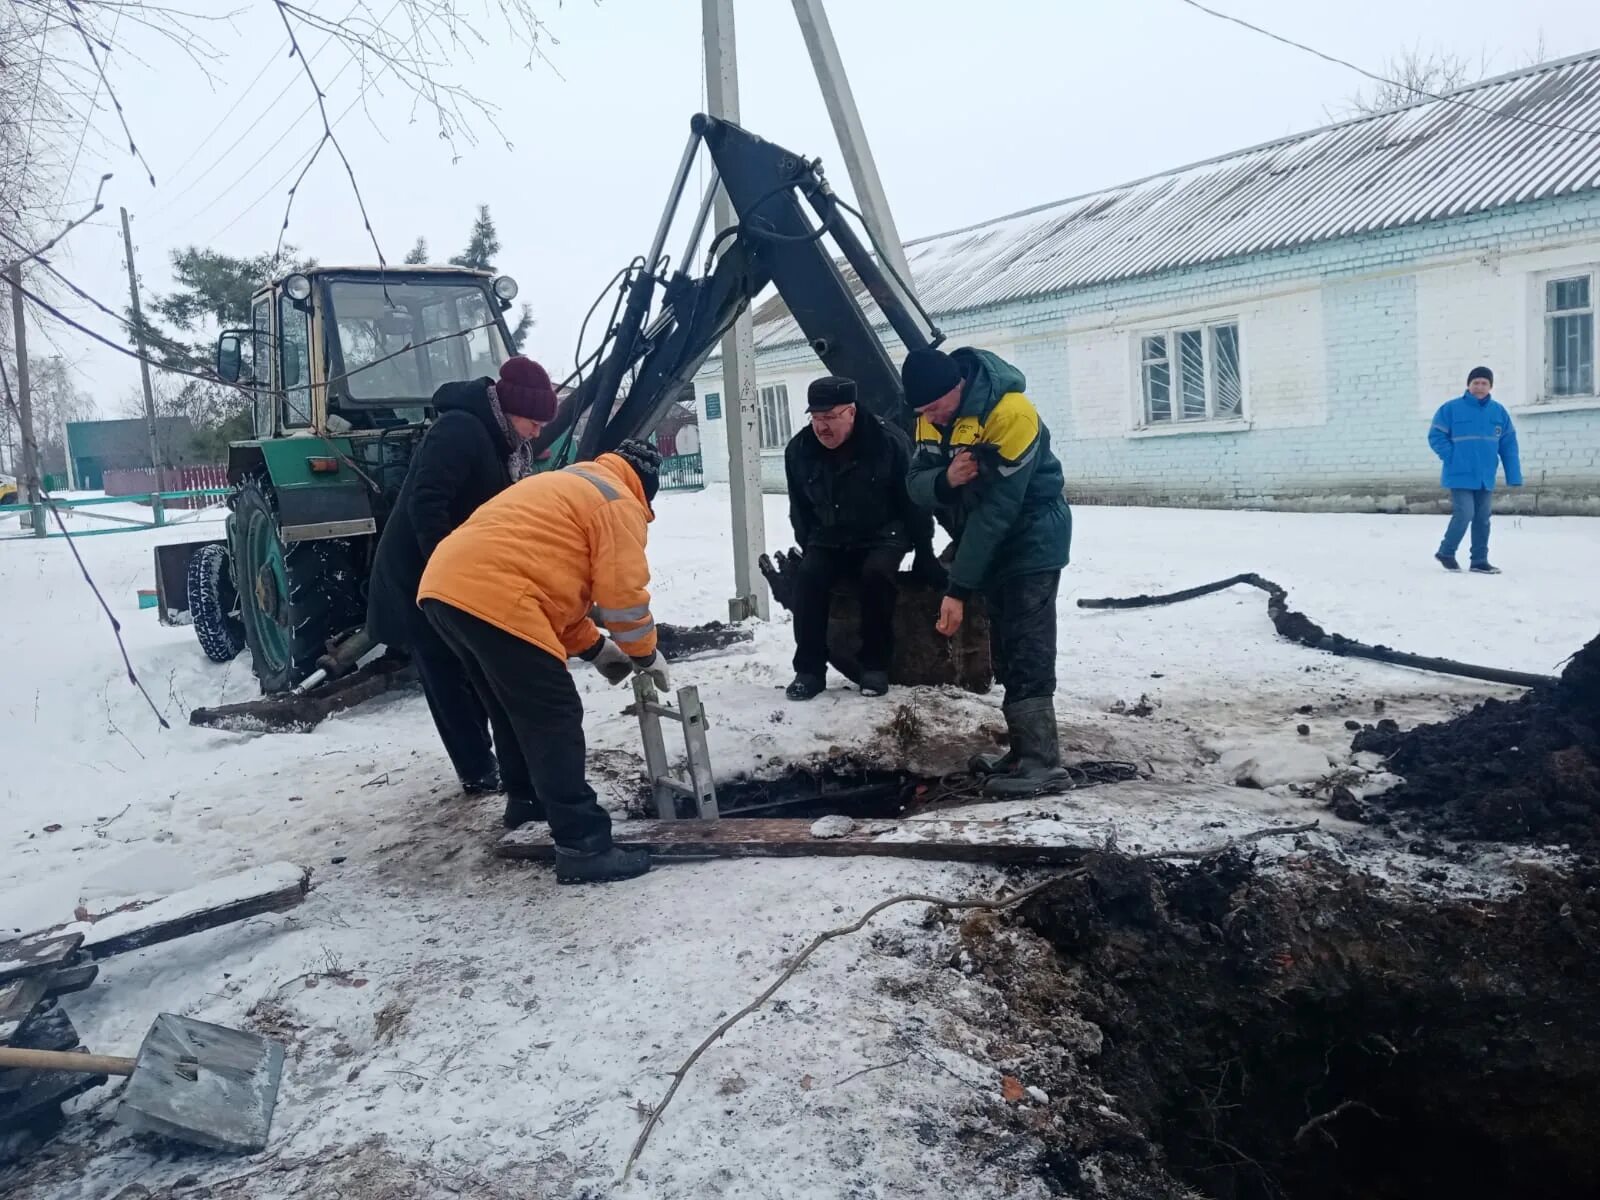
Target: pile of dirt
(1523, 771)
(1312, 1034)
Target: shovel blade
(202, 1083)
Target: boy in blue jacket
(1472, 435)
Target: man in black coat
(853, 521)
(463, 461)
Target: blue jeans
(1474, 507)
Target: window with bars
(775, 429)
(1569, 336)
(1191, 374)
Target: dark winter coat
(1013, 518)
(1473, 438)
(460, 465)
(854, 498)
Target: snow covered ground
(463, 1025)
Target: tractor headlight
(505, 288)
(297, 288)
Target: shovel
(200, 1083)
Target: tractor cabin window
(775, 429)
(294, 363)
(260, 367)
(1191, 374)
(1569, 336)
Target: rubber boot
(1036, 742)
(487, 784)
(985, 765)
(604, 866)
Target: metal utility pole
(144, 367)
(24, 397)
(738, 351)
(852, 137)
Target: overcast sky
(973, 109)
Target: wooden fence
(142, 481)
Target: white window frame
(772, 404)
(1172, 332)
(1547, 317)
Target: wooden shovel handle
(65, 1060)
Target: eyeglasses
(828, 416)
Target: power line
(1443, 97)
(223, 120)
(240, 140)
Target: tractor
(340, 364)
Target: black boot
(522, 809)
(1036, 743)
(604, 866)
(874, 683)
(985, 765)
(805, 687)
(487, 784)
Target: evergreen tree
(483, 244)
(417, 256)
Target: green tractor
(341, 363)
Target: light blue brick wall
(1371, 451)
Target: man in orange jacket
(511, 591)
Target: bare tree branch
(68, 228)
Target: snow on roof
(1525, 136)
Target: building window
(775, 430)
(1569, 336)
(713, 406)
(1191, 374)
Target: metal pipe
(700, 219)
(685, 165)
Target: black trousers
(538, 724)
(1022, 634)
(874, 571)
(458, 714)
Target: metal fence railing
(682, 473)
(35, 520)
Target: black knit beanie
(926, 375)
(1480, 373)
(645, 460)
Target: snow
(479, 1028)
(230, 889)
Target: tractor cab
(340, 364)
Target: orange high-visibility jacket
(537, 557)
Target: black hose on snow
(1298, 627)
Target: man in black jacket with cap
(853, 520)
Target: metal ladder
(665, 787)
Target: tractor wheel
(294, 598)
(214, 604)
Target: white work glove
(610, 659)
(656, 667)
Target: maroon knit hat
(524, 390)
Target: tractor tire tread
(218, 628)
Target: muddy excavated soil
(1523, 771)
(1309, 1034)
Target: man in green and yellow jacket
(983, 464)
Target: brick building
(1274, 327)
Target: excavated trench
(1312, 1034)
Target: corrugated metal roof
(1524, 136)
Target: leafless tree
(1413, 74)
(1416, 74)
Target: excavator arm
(775, 195)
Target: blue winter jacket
(1472, 438)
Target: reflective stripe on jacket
(1472, 438)
(538, 557)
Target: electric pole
(144, 367)
(30, 460)
(738, 351)
(847, 127)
